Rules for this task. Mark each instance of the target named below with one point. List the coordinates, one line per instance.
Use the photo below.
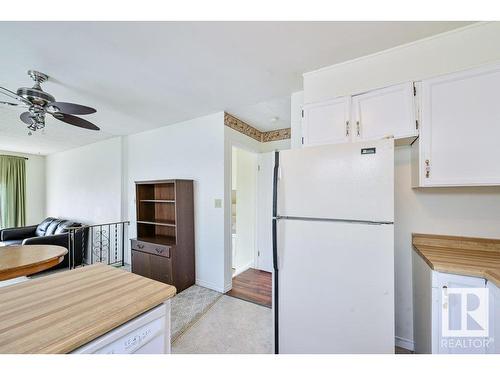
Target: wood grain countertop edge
(491, 274)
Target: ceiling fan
(40, 103)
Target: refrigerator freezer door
(353, 181)
(336, 287)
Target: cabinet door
(326, 122)
(141, 264)
(494, 301)
(453, 345)
(460, 129)
(385, 112)
(152, 266)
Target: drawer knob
(159, 251)
(140, 246)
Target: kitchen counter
(467, 256)
(65, 311)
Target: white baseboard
(243, 268)
(405, 343)
(209, 285)
(228, 287)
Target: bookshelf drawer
(151, 248)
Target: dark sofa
(51, 231)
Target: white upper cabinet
(460, 130)
(385, 112)
(326, 122)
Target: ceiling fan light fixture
(40, 103)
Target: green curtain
(12, 191)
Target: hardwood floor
(253, 286)
(400, 350)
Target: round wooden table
(16, 261)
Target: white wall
(296, 102)
(194, 150)
(246, 201)
(284, 144)
(35, 186)
(84, 184)
(456, 50)
(454, 211)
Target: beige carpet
(188, 306)
(231, 326)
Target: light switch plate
(218, 203)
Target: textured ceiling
(143, 75)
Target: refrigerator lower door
(336, 287)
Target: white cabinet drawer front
(384, 112)
(450, 280)
(133, 341)
(460, 129)
(326, 123)
(147, 333)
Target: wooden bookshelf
(164, 247)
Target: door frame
(229, 143)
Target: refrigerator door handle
(275, 209)
(276, 176)
(275, 250)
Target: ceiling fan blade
(9, 103)
(26, 117)
(13, 95)
(74, 109)
(76, 121)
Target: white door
(460, 129)
(246, 202)
(385, 112)
(450, 345)
(336, 287)
(326, 122)
(353, 181)
(264, 256)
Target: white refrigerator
(333, 249)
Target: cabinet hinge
(414, 89)
(258, 253)
(302, 113)
(416, 122)
(427, 168)
(302, 140)
(258, 168)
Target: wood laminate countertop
(61, 312)
(467, 256)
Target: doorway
(251, 198)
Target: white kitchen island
(94, 309)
